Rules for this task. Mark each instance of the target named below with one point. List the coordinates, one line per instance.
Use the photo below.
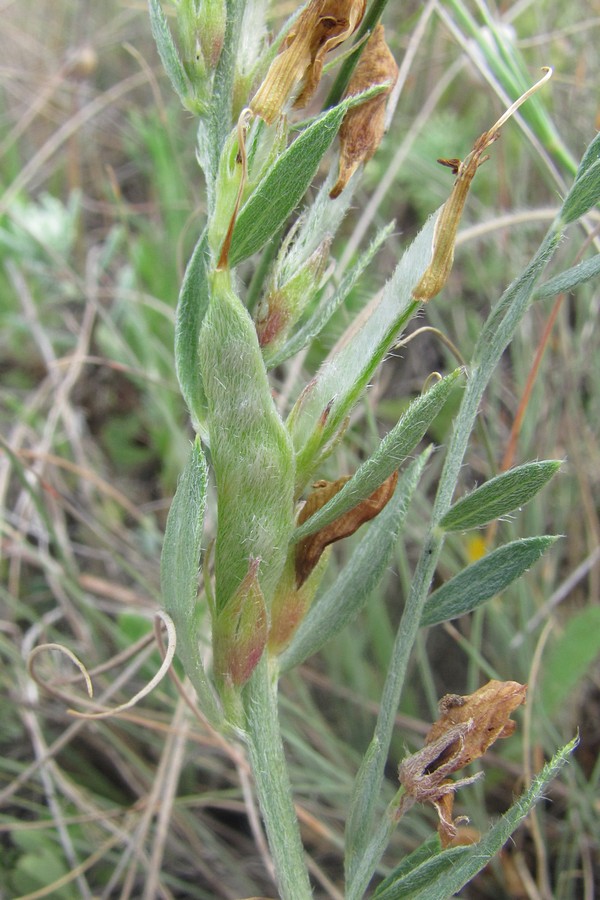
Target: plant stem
(358, 874)
(384, 829)
(272, 782)
(495, 337)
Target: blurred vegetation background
(101, 201)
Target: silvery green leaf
(167, 51)
(391, 453)
(284, 185)
(585, 192)
(194, 298)
(324, 405)
(307, 332)
(570, 279)
(499, 496)
(179, 565)
(484, 579)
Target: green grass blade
(351, 589)
(392, 451)
(484, 579)
(570, 658)
(179, 565)
(509, 67)
(499, 496)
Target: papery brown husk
(321, 27)
(363, 127)
(310, 549)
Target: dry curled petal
(467, 726)
(310, 549)
(446, 227)
(318, 29)
(364, 125)
(489, 708)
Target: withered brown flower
(364, 125)
(321, 26)
(310, 549)
(442, 256)
(467, 726)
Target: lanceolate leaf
(194, 298)
(445, 874)
(346, 372)
(484, 579)
(585, 192)
(167, 50)
(430, 848)
(350, 591)
(500, 496)
(179, 566)
(572, 278)
(390, 454)
(590, 157)
(285, 184)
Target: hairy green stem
(269, 767)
